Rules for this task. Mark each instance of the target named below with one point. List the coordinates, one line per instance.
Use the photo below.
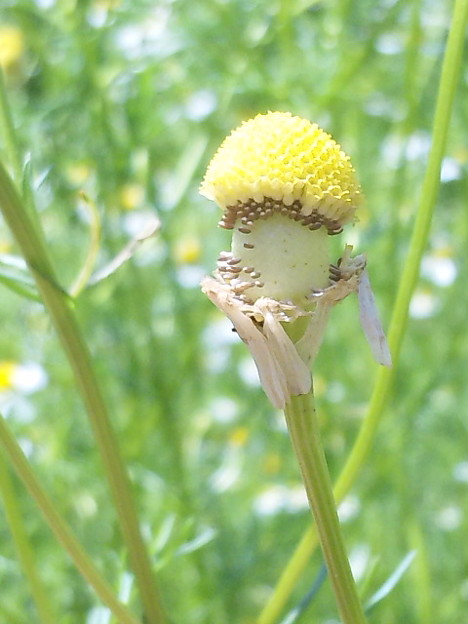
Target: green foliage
(126, 101)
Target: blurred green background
(126, 101)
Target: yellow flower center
(278, 157)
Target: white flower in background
(25, 378)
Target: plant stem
(20, 174)
(23, 546)
(58, 304)
(449, 77)
(7, 131)
(60, 528)
(289, 577)
(304, 431)
(93, 248)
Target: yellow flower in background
(272, 463)
(7, 374)
(11, 46)
(5, 246)
(188, 250)
(239, 436)
(131, 196)
(78, 173)
(26, 377)
(107, 4)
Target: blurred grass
(127, 101)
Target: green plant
(115, 109)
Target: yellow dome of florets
(280, 157)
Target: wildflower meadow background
(117, 107)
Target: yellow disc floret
(288, 160)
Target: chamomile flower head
(284, 185)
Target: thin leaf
(299, 609)
(391, 582)
(178, 184)
(126, 253)
(205, 537)
(15, 276)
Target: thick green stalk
(447, 87)
(60, 528)
(23, 546)
(63, 318)
(304, 431)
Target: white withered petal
(370, 322)
(281, 371)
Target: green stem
(60, 528)
(14, 156)
(58, 304)
(447, 87)
(23, 546)
(304, 431)
(289, 577)
(89, 262)
(7, 131)
(449, 77)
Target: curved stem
(449, 77)
(58, 304)
(304, 431)
(447, 87)
(24, 547)
(13, 152)
(60, 528)
(7, 131)
(289, 577)
(89, 262)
